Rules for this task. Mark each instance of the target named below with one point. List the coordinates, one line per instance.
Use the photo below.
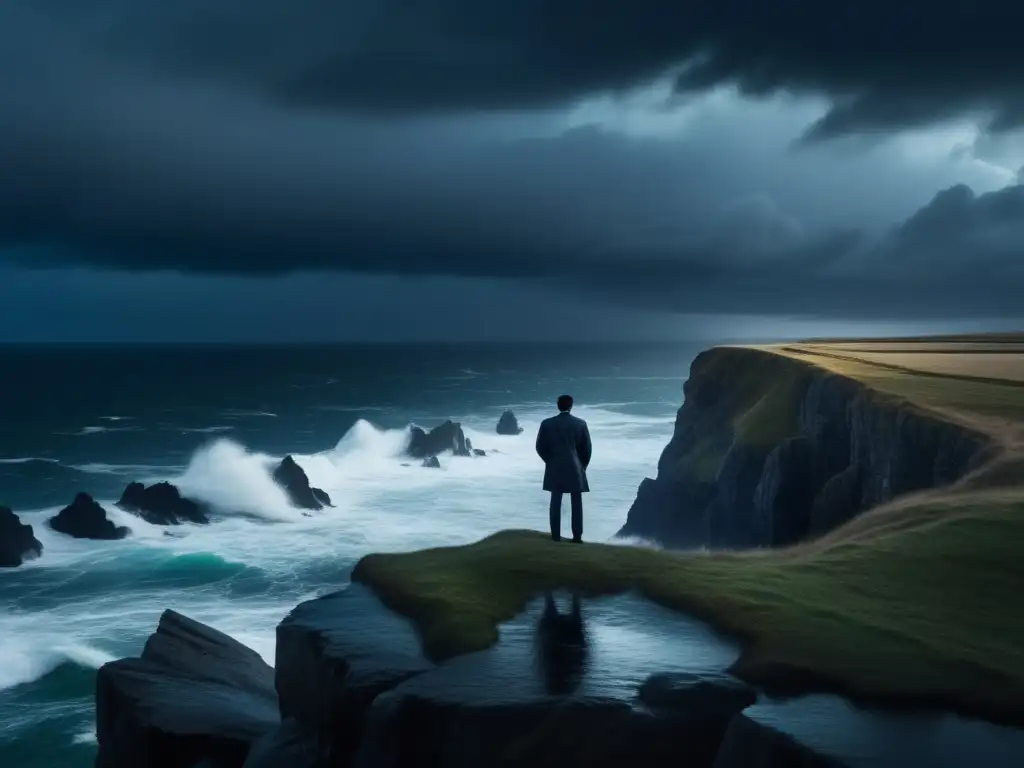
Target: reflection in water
(561, 646)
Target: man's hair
(564, 402)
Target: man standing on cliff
(563, 442)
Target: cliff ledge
(780, 444)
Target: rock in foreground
(84, 518)
(335, 655)
(431, 462)
(446, 437)
(195, 694)
(508, 424)
(17, 540)
(480, 711)
(292, 478)
(290, 745)
(161, 504)
(749, 744)
(718, 693)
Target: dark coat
(563, 441)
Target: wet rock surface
(84, 518)
(161, 504)
(431, 462)
(293, 479)
(18, 542)
(194, 694)
(715, 692)
(335, 655)
(603, 682)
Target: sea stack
(293, 479)
(86, 519)
(508, 424)
(17, 540)
(441, 439)
(161, 504)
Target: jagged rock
(479, 710)
(195, 694)
(86, 519)
(750, 744)
(161, 504)
(335, 655)
(292, 478)
(17, 540)
(290, 745)
(720, 694)
(446, 437)
(479, 452)
(508, 424)
(431, 462)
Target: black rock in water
(720, 694)
(161, 504)
(431, 462)
(292, 478)
(447, 437)
(85, 519)
(18, 542)
(479, 452)
(508, 424)
(194, 695)
(321, 496)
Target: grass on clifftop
(919, 602)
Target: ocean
(212, 419)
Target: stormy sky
(382, 169)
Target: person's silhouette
(563, 442)
(561, 646)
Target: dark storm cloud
(958, 255)
(162, 136)
(886, 63)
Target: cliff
(774, 445)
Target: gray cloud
(886, 63)
(190, 137)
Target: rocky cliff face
(768, 451)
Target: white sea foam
(383, 502)
(25, 658)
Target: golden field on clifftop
(979, 379)
(915, 601)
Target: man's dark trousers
(555, 513)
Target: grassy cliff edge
(912, 602)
